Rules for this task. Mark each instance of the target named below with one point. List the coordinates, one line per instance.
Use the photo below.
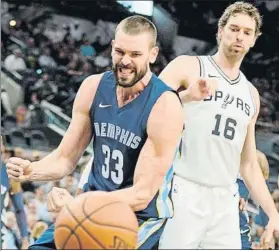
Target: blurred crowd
(52, 69)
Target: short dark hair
(137, 24)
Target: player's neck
(229, 66)
(126, 95)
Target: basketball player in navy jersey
(12, 190)
(221, 108)
(130, 113)
(244, 194)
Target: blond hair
(135, 25)
(263, 163)
(243, 8)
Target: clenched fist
(199, 90)
(57, 199)
(18, 169)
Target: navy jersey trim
(93, 105)
(224, 75)
(148, 228)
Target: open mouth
(126, 71)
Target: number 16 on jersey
(229, 129)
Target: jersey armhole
(252, 97)
(93, 105)
(201, 67)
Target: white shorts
(204, 217)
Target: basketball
(96, 220)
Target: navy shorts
(246, 243)
(149, 233)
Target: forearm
(254, 180)
(142, 192)
(137, 201)
(52, 167)
(185, 96)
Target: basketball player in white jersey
(221, 108)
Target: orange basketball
(96, 220)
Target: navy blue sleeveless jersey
(243, 190)
(243, 215)
(118, 137)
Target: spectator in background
(37, 229)
(70, 184)
(32, 213)
(275, 195)
(101, 61)
(11, 190)
(86, 49)
(5, 102)
(62, 58)
(15, 61)
(45, 60)
(75, 32)
(41, 82)
(11, 236)
(41, 205)
(98, 45)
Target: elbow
(248, 167)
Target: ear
(153, 54)
(112, 46)
(220, 33)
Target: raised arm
(63, 160)
(180, 72)
(164, 130)
(183, 74)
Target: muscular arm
(158, 152)
(180, 73)
(63, 160)
(250, 169)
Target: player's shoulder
(169, 98)
(90, 85)
(254, 91)
(92, 81)
(87, 92)
(186, 60)
(181, 71)
(167, 105)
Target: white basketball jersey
(215, 129)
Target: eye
(234, 29)
(134, 55)
(119, 52)
(247, 33)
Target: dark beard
(136, 78)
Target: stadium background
(49, 47)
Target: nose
(126, 60)
(240, 35)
